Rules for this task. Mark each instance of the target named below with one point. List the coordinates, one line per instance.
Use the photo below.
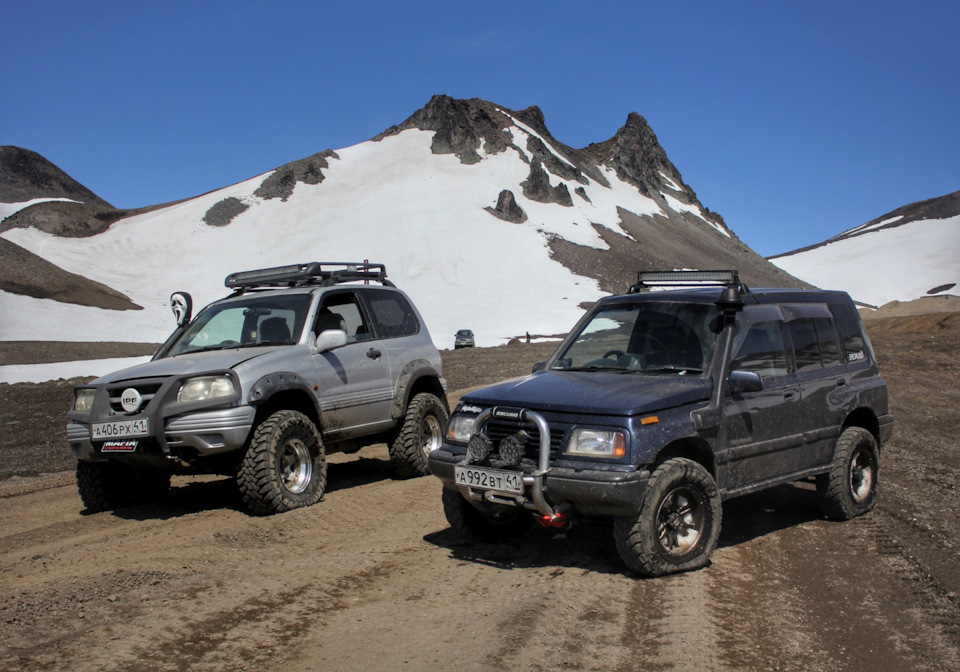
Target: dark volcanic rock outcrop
(23, 272)
(507, 208)
(281, 182)
(25, 175)
(459, 127)
(537, 188)
(222, 212)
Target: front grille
(498, 429)
(147, 392)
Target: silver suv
(297, 362)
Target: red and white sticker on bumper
(126, 446)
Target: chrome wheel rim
(296, 466)
(680, 521)
(431, 433)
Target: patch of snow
(863, 228)
(677, 206)
(7, 209)
(898, 264)
(392, 202)
(670, 183)
(41, 373)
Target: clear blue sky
(794, 120)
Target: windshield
(647, 337)
(253, 321)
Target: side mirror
(330, 339)
(740, 382)
(539, 366)
(181, 304)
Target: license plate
(112, 430)
(489, 479)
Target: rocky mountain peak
(636, 155)
(26, 175)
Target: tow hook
(553, 520)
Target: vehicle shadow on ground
(583, 547)
(189, 495)
(762, 513)
(589, 543)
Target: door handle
(789, 395)
(373, 353)
(841, 382)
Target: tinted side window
(851, 338)
(829, 348)
(392, 314)
(806, 347)
(762, 351)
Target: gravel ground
(372, 577)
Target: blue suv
(659, 405)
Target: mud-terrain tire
(849, 489)
(107, 485)
(677, 527)
(491, 524)
(285, 466)
(421, 431)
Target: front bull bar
(533, 480)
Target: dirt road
(371, 578)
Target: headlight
(205, 387)
(461, 427)
(597, 443)
(83, 399)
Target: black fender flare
(411, 373)
(283, 381)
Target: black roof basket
(322, 273)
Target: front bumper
(588, 491)
(199, 434)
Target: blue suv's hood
(201, 362)
(594, 392)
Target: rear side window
(829, 348)
(851, 337)
(814, 343)
(392, 314)
(805, 346)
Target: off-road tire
(108, 485)
(677, 527)
(285, 465)
(849, 489)
(493, 523)
(421, 431)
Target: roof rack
(322, 273)
(647, 280)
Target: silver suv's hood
(200, 362)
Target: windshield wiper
(594, 367)
(673, 369)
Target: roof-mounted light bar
(647, 280)
(311, 273)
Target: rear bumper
(886, 427)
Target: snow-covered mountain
(906, 254)
(480, 215)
